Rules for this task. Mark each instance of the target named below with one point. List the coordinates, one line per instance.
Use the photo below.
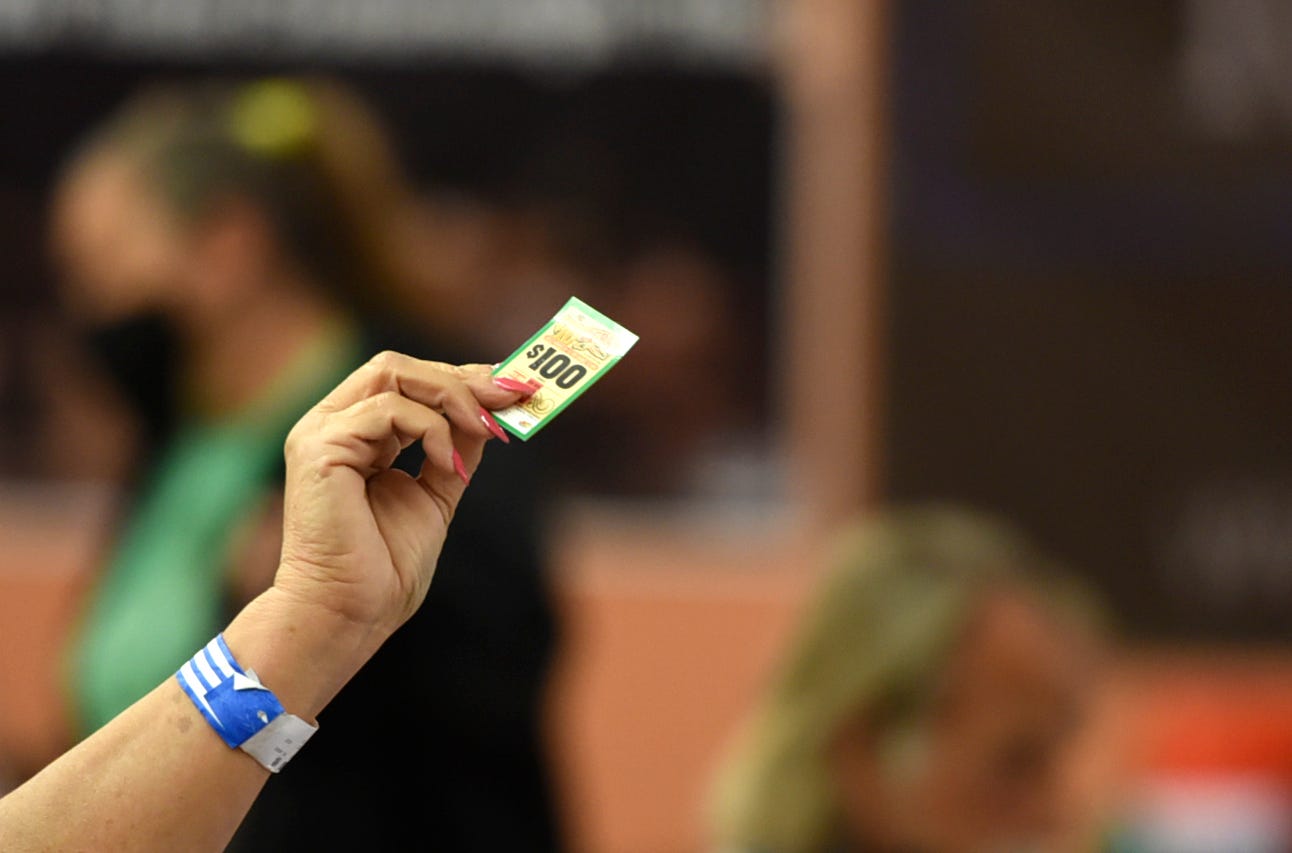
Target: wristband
(244, 713)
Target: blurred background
(1029, 257)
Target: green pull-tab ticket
(563, 359)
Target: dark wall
(1092, 296)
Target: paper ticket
(562, 360)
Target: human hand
(361, 538)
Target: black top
(437, 743)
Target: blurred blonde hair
(873, 642)
(307, 150)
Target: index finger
(383, 372)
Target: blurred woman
(233, 250)
(933, 700)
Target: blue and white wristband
(243, 712)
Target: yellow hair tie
(273, 118)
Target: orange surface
(666, 648)
(1213, 713)
(45, 548)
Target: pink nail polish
(494, 426)
(514, 386)
(461, 468)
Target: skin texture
(991, 767)
(360, 545)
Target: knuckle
(382, 403)
(382, 370)
(437, 431)
(297, 439)
(463, 397)
(385, 361)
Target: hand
(361, 538)
(360, 541)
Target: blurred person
(178, 769)
(497, 263)
(935, 698)
(231, 250)
(681, 300)
(570, 220)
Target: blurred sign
(1236, 74)
(562, 32)
(1229, 546)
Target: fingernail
(493, 425)
(461, 468)
(514, 386)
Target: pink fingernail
(493, 425)
(515, 386)
(461, 468)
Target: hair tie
(273, 118)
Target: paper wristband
(243, 712)
(559, 362)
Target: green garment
(162, 594)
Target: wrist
(302, 651)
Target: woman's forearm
(158, 777)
